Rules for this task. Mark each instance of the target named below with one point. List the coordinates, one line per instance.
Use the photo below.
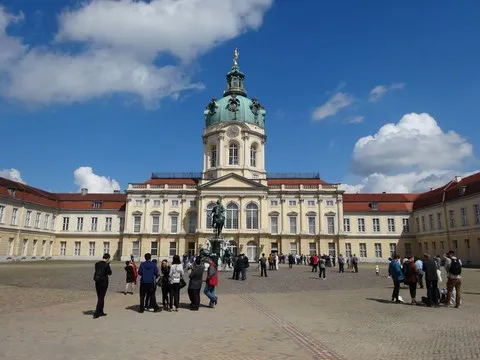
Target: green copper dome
(234, 105)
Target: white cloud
(11, 174)
(415, 143)
(355, 120)
(120, 42)
(380, 90)
(86, 178)
(336, 103)
(411, 156)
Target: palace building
(286, 213)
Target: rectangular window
(430, 222)
(476, 212)
(93, 225)
(191, 248)
(137, 221)
(346, 224)
(312, 248)
(66, 222)
(174, 203)
(106, 247)
(121, 224)
(311, 225)
(155, 224)
(439, 221)
(25, 247)
(292, 202)
(363, 250)
(156, 202)
(408, 249)
(138, 202)
(14, 216)
(77, 248)
(174, 224)
(293, 248)
(28, 217)
(391, 224)
(376, 224)
(330, 202)
(348, 250)
(393, 249)
(463, 212)
(331, 224)
(46, 220)
(154, 248)
(378, 250)
(79, 223)
(2, 213)
(274, 224)
(274, 247)
(451, 215)
(173, 248)
(192, 224)
(406, 225)
(418, 224)
(108, 224)
(311, 203)
(361, 225)
(136, 249)
(293, 224)
(63, 248)
(274, 203)
(91, 248)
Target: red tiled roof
(66, 201)
(296, 182)
(186, 181)
(384, 202)
(451, 191)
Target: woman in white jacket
(176, 274)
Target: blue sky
(313, 64)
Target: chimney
(457, 179)
(84, 191)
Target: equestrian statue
(218, 218)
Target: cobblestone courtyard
(45, 311)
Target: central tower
(234, 134)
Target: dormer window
(373, 206)
(462, 190)
(97, 205)
(11, 192)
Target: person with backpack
(102, 272)
(211, 282)
(263, 265)
(410, 273)
(453, 267)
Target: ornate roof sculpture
(235, 105)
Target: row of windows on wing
(451, 219)
(376, 225)
(233, 155)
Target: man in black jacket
(102, 272)
(431, 280)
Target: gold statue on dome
(236, 54)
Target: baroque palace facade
(286, 213)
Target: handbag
(182, 283)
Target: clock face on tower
(233, 131)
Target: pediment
(232, 182)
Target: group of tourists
(170, 278)
(412, 271)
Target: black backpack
(455, 267)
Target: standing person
(210, 283)
(102, 272)
(149, 272)
(453, 267)
(130, 280)
(165, 284)
(195, 284)
(431, 280)
(355, 263)
(410, 272)
(396, 273)
(176, 274)
(419, 265)
(341, 264)
(323, 267)
(314, 261)
(263, 265)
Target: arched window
(213, 156)
(231, 221)
(253, 156)
(208, 218)
(252, 216)
(233, 154)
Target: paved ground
(45, 312)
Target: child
(130, 270)
(377, 270)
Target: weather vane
(236, 54)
